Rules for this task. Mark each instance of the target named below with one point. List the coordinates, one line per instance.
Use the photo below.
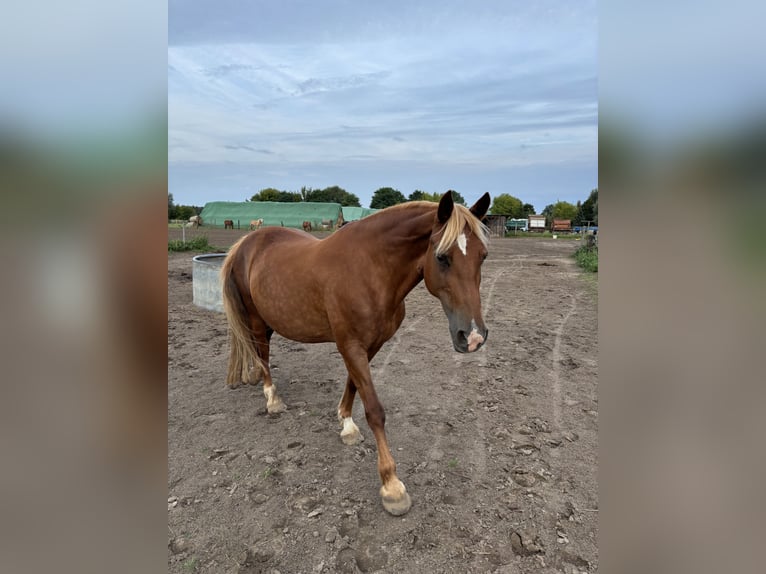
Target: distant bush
(199, 243)
(587, 258)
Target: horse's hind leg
(261, 341)
(350, 434)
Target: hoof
(350, 434)
(351, 438)
(276, 406)
(273, 403)
(396, 501)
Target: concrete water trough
(206, 281)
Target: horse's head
(452, 269)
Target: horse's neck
(405, 244)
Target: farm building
(536, 223)
(272, 212)
(354, 213)
(496, 224)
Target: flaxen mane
(460, 218)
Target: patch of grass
(587, 258)
(452, 463)
(190, 565)
(199, 243)
(266, 473)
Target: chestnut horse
(307, 226)
(266, 290)
(228, 224)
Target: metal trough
(206, 281)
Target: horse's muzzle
(469, 341)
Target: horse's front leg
(393, 493)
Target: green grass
(587, 258)
(199, 243)
(452, 463)
(190, 565)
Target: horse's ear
(446, 206)
(479, 209)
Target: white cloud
(485, 89)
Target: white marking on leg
(461, 243)
(350, 433)
(273, 403)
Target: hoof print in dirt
(178, 545)
(523, 478)
(523, 544)
(574, 560)
(252, 560)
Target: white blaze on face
(461, 243)
(474, 339)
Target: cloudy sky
(497, 96)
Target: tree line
(382, 198)
(584, 212)
(182, 212)
(504, 204)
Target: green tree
(457, 198)
(434, 197)
(548, 213)
(579, 217)
(419, 195)
(506, 204)
(527, 209)
(590, 207)
(333, 194)
(171, 208)
(268, 194)
(564, 210)
(386, 197)
(289, 197)
(184, 212)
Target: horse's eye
(443, 259)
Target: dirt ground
(498, 449)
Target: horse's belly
(296, 318)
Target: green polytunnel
(273, 213)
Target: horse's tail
(242, 341)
